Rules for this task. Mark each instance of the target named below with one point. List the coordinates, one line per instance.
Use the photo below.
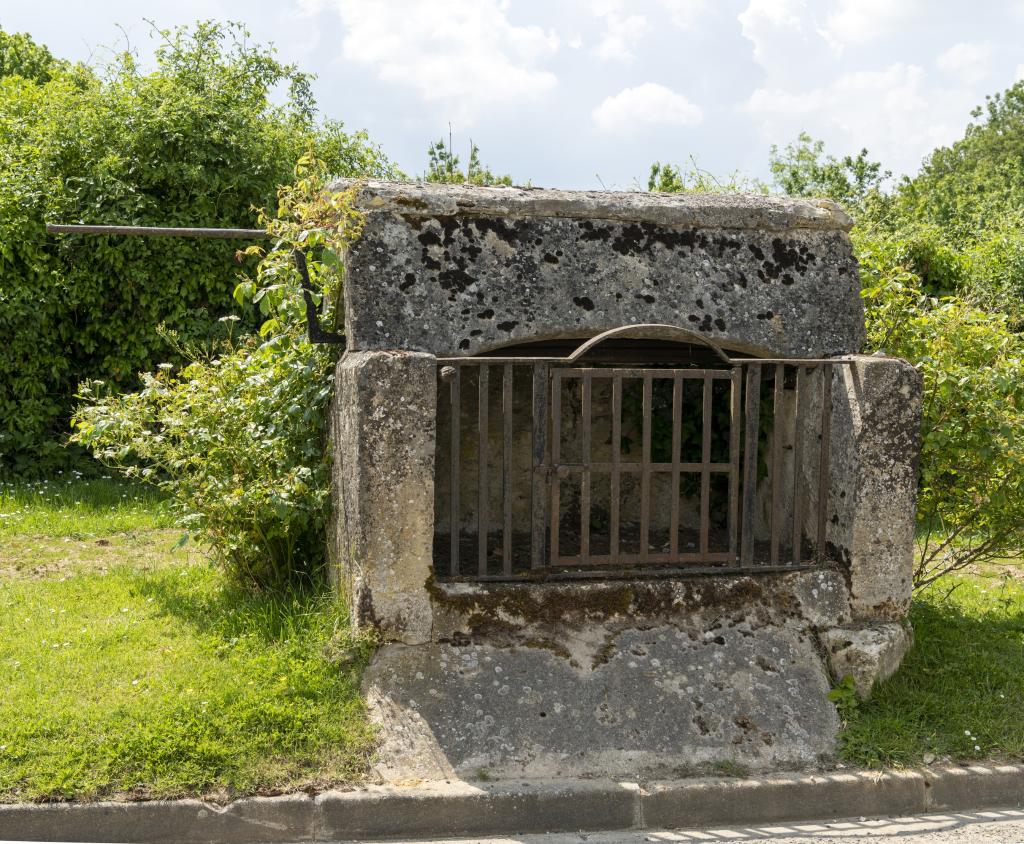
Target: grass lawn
(130, 667)
(959, 695)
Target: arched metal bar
(651, 331)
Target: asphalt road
(991, 827)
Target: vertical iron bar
(585, 476)
(735, 415)
(751, 420)
(705, 470)
(456, 455)
(798, 398)
(539, 492)
(482, 448)
(677, 433)
(776, 471)
(556, 457)
(826, 432)
(506, 464)
(645, 472)
(613, 532)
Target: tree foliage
(21, 56)
(197, 141)
(966, 187)
(802, 168)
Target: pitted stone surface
(382, 427)
(868, 654)
(457, 271)
(648, 701)
(876, 441)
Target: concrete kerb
(454, 809)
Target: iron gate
(753, 477)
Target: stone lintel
(383, 430)
(703, 210)
(459, 270)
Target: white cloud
(622, 30)
(786, 42)
(762, 21)
(649, 104)
(861, 21)
(463, 54)
(893, 112)
(966, 61)
(685, 13)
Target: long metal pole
(155, 231)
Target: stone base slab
(636, 702)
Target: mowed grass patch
(958, 695)
(170, 682)
(71, 507)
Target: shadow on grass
(203, 598)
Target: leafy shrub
(238, 436)
(197, 142)
(971, 491)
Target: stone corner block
(869, 654)
(876, 446)
(383, 433)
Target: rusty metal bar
(677, 436)
(826, 432)
(636, 372)
(482, 455)
(751, 420)
(654, 569)
(653, 558)
(735, 415)
(645, 477)
(539, 492)
(798, 398)
(605, 466)
(705, 471)
(556, 456)
(157, 231)
(803, 361)
(616, 475)
(506, 469)
(585, 448)
(456, 449)
(776, 471)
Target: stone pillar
(383, 432)
(876, 423)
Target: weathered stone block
(875, 446)
(642, 701)
(869, 654)
(456, 270)
(382, 427)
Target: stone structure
(613, 675)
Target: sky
(588, 93)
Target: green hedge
(197, 141)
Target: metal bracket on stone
(316, 332)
